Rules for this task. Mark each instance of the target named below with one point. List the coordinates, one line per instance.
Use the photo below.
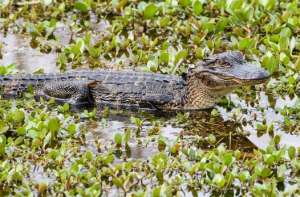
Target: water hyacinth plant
(248, 145)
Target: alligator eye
(223, 63)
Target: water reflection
(263, 112)
(105, 131)
(16, 50)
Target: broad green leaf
(18, 116)
(181, 55)
(150, 11)
(197, 7)
(268, 4)
(244, 176)
(82, 6)
(219, 180)
(118, 139)
(54, 125)
(89, 155)
(164, 57)
(72, 129)
(286, 32)
(163, 22)
(156, 192)
(265, 172)
(236, 4)
(228, 159)
(292, 152)
(21, 131)
(160, 161)
(3, 127)
(246, 43)
(270, 62)
(184, 3)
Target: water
(270, 116)
(16, 50)
(105, 130)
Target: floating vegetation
(247, 146)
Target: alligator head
(218, 75)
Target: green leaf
(47, 140)
(292, 152)
(181, 55)
(163, 22)
(244, 176)
(3, 127)
(268, 4)
(281, 172)
(89, 155)
(72, 129)
(164, 57)
(197, 8)
(94, 52)
(82, 6)
(212, 139)
(54, 125)
(18, 116)
(118, 182)
(277, 139)
(21, 131)
(286, 32)
(118, 139)
(265, 172)
(228, 159)
(156, 192)
(127, 135)
(246, 43)
(270, 62)
(184, 3)
(160, 161)
(150, 11)
(219, 180)
(9, 69)
(236, 5)
(2, 144)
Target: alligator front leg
(74, 92)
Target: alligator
(199, 88)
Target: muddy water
(16, 50)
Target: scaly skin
(203, 85)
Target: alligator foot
(74, 92)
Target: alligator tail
(13, 86)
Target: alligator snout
(250, 72)
(261, 74)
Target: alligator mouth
(254, 81)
